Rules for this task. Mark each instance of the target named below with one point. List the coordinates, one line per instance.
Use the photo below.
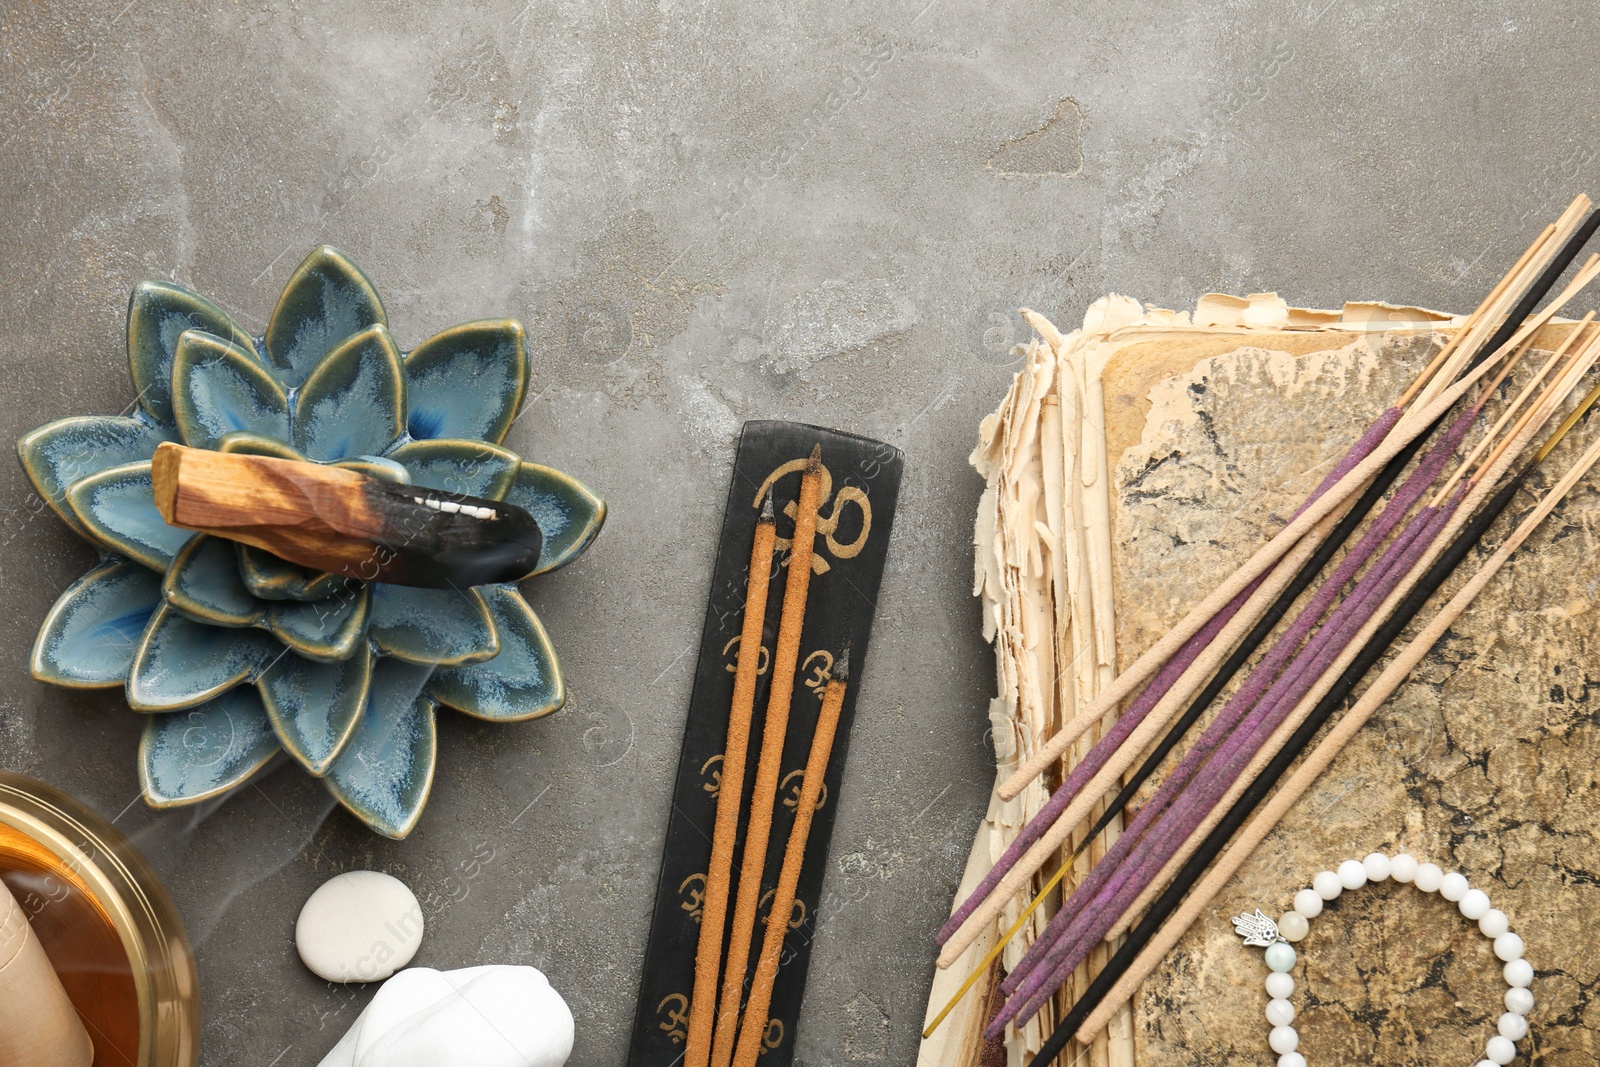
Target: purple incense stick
(1251, 693)
(1184, 816)
(1149, 697)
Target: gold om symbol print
(827, 524)
(817, 669)
(694, 895)
(791, 792)
(763, 657)
(769, 1039)
(797, 914)
(676, 1024)
(713, 782)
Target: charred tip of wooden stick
(814, 464)
(767, 514)
(345, 522)
(841, 666)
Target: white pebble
(1327, 885)
(1291, 1059)
(1280, 958)
(1508, 946)
(1519, 974)
(1513, 1027)
(1453, 886)
(1352, 875)
(1378, 867)
(1494, 923)
(1308, 902)
(1284, 1039)
(1429, 878)
(1500, 1050)
(1475, 905)
(1517, 999)
(360, 926)
(1403, 868)
(1281, 986)
(1293, 926)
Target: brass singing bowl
(107, 924)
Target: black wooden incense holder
(860, 486)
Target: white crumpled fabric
(475, 1017)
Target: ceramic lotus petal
(233, 654)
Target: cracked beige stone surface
(1484, 762)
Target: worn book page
(1174, 444)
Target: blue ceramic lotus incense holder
(234, 653)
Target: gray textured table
(704, 216)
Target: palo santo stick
(794, 853)
(730, 793)
(338, 520)
(1080, 805)
(1319, 759)
(785, 657)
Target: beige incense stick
(1468, 326)
(1415, 421)
(1323, 755)
(1481, 485)
(730, 791)
(1109, 777)
(785, 657)
(794, 853)
(38, 1025)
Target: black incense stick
(1258, 790)
(1341, 533)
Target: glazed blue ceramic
(235, 654)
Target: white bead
(1327, 885)
(1378, 867)
(1352, 875)
(1291, 1059)
(1508, 946)
(1280, 1012)
(1308, 902)
(1403, 868)
(1280, 958)
(1494, 923)
(1280, 986)
(1486, 1063)
(1284, 1039)
(1519, 974)
(1429, 878)
(1453, 886)
(1475, 905)
(1518, 1000)
(1500, 1050)
(1293, 926)
(1513, 1027)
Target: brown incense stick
(730, 793)
(1319, 759)
(755, 1013)
(785, 657)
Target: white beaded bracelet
(1277, 938)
